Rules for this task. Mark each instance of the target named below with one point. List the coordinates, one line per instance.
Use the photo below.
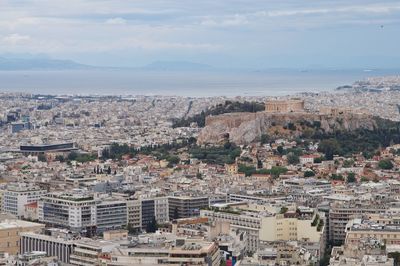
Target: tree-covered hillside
(227, 107)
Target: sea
(276, 82)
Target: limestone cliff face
(244, 128)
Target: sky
(253, 34)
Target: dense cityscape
(157, 180)
(199, 133)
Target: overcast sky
(222, 33)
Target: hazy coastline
(181, 83)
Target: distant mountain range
(43, 63)
(39, 64)
(17, 62)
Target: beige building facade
(284, 106)
(279, 227)
(10, 234)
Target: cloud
(15, 39)
(299, 17)
(235, 20)
(148, 44)
(159, 45)
(232, 28)
(383, 8)
(116, 21)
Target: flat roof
(9, 224)
(46, 145)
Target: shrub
(309, 173)
(385, 164)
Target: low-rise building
(58, 243)
(91, 252)
(183, 252)
(10, 231)
(379, 227)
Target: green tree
(131, 229)
(173, 160)
(280, 150)
(217, 154)
(72, 156)
(293, 158)
(367, 155)
(265, 139)
(263, 172)
(385, 164)
(318, 160)
(247, 170)
(348, 163)
(329, 147)
(295, 151)
(351, 177)
(309, 173)
(396, 257)
(60, 158)
(291, 126)
(308, 133)
(317, 124)
(283, 210)
(337, 177)
(276, 171)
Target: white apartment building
(111, 214)
(76, 211)
(16, 196)
(83, 212)
(247, 222)
(161, 210)
(142, 211)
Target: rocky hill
(245, 128)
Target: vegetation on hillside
(75, 156)
(275, 171)
(161, 152)
(309, 173)
(341, 142)
(216, 154)
(81, 157)
(346, 143)
(226, 153)
(227, 107)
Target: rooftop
(9, 224)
